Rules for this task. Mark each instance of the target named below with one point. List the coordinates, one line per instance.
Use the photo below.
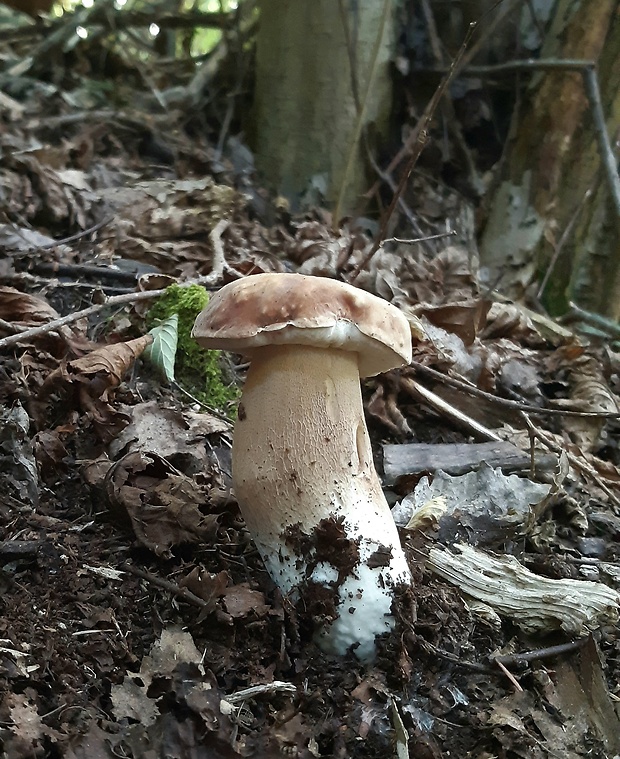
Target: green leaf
(163, 350)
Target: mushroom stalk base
(305, 481)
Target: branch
(506, 402)
(588, 71)
(121, 19)
(604, 143)
(117, 300)
(126, 19)
(418, 147)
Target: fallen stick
(117, 300)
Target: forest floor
(135, 611)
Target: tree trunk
(552, 200)
(308, 98)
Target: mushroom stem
(302, 460)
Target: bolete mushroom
(302, 464)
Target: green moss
(198, 370)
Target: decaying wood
(458, 458)
(537, 604)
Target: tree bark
(552, 200)
(308, 95)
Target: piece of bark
(458, 458)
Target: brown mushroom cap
(293, 309)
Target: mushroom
(302, 464)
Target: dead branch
(418, 147)
(580, 464)
(461, 384)
(541, 653)
(120, 18)
(159, 582)
(117, 300)
(443, 407)
(588, 70)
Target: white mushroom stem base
(302, 455)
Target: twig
(77, 235)
(516, 405)
(595, 320)
(604, 144)
(9, 327)
(525, 64)
(489, 28)
(557, 249)
(205, 406)
(470, 665)
(419, 239)
(219, 266)
(449, 116)
(183, 593)
(509, 675)
(23, 277)
(351, 41)
(432, 31)
(581, 465)
(7, 103)
(418, 147)
(123, 19)
(57, 37)
(103, 114)
(213, 20)
(588, 71)
(419, 391)
(540, 27)
(541, 653)
(277, 686)
(224, 129)
(78, 271)
(117, 300)
(466, 57)
(389, 181)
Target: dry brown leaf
(93, 377)
(166, 222)
(241, 600)
(446, 278)
(510, 320)
(205, 585)
(25, 730)
(163, 506)
(26, 720)
(111, 361)
(383, 406)
(465, 319)
(53, 197)
(589, 391)
(50, 452)
(169, 433)
(23, 309)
